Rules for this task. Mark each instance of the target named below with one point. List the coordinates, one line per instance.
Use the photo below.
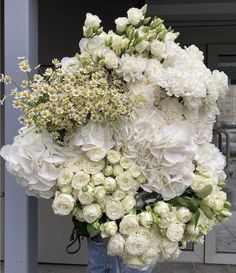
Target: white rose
(175, 232)
(136, 244)
(86, 197)
(114, 210)
(168, 248)
(126, 163)
(93, 167)
(117, 170)
(100, 193)
(80, 179)
(111, 59)
(158, 49)
(116, 245)
(108, 229)
(108, 170)
(92, 21)
(135, 15)
(121, 24)
(113, 156)
(91, 213)
(118, 194)
(129, 224)
(184, 214)
(162, 208)
(200, 182)
(146, 218)
(134, 171)
(63, 204)
(128, 203)
(65, 176)
(125, 181)
(97, 179)
(70, 65)
(96, 154)
(142, 46)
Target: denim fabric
(100, 262)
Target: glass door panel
(220, 244)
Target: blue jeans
(100, 262)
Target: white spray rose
(80, 179)
(116, 245)
(92, 21)
(134, 171)
(91, 213)
(79, 215)
(168, 248)
(97, 179)
(118, 194)
(65, 176)
(86, 197)
(100, 193)
(108, 229)
(128, 203)
(146, 218)
(192, 230)
(117, 170)
(75, 164)
(150, 256)
(184, 214)
(63, 204)
(96, 154)
(108, 170)
(114, 210)
(136, 244)
(110, 184)
(125, 181)
(121, 24)
(70, 65)
(162, 208)
(135, 15)
(175, 232)
(113, 156)
(129, 224)
(93, 167)
(126, 163)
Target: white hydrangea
(35, 160)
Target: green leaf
(178, 202)
(207, 211)
(196, 217)
(192, 203)
(92, 230)
(204, 192)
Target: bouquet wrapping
(120, 137)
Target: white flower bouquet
(120, 136)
